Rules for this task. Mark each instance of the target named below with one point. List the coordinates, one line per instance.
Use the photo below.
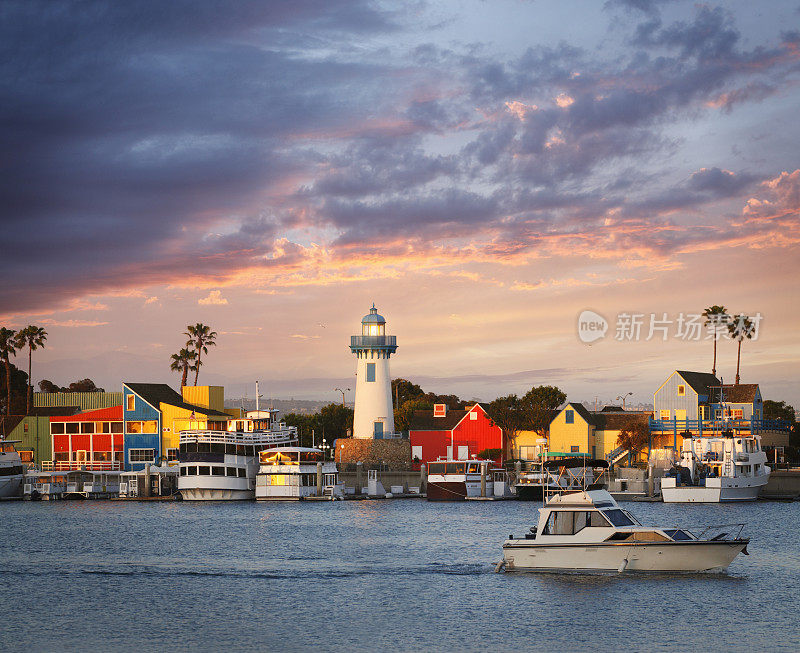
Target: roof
(743, 393)
(8, 423)
(423, 420)
(581, 410)
(113, 414)
(54, 411)
(372, 317)
(612, 409)
(157, 393)
(701, 382)
(614, 421)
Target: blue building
(141, 417)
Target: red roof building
(92, 439)
(460, 434)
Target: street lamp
(623, 397)
(342, 391)
(324, 447)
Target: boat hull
(447, 491)
(715, 491)
(10, 486)
(692, 557)
(216, 494)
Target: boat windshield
(618, 517)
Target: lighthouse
(374, 415)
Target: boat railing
(77, 466)
(718, 531)
(710, 427)
(285, 435)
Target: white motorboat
(222, 465)
(588, 531)
(717, 469)
(11, 469)
(294, 473)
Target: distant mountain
(286, 406)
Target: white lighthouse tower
(374, 416)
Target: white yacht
(11, 469)
(588, 531)
(457, 480)
(717, 469)
(294, 473)
(222, 465)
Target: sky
(484, 172)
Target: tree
(404, 390)
(201, 337)
(741, 327)
(31, 337)
(716, 316)
(182, 362)
(507, 412)
(539, 405)
(19, 386)
(48, 386)
(8, 347)
(778, 410)
(634, 438)
(84, 385)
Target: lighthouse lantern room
(374, 414)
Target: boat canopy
(576, 462)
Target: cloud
(151, 300)
(72, 323)
(300, 336)
(214, 298)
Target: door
(680, 414)
(463, 452)
(80, 456)
(378, 430)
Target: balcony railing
(717, 426)
(74, 465)
(373, 342)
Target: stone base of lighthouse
(394, 454)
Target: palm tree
(201, 337)
(182, 362)
(31, 337)
(8, 347)
(740, 328)
(717, 316)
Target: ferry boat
(294, 473)
(588, 531)
(717, 469)
(457, 480)
(222, 465)
(11, 469)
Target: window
(681, 390)
(574, 449)
(230, 471)
(665, 414)
(192, 471)
(618, 518)
(738, 413)
(141, 455)
(370, 372)
(473, 416)
(57, 427)
(203, 470)
(116, 427)
(242, 472)
(102, 456)
(569, 416)
(130, 402)
(217, 471)
(26, 456)
(183, 471)
(172, 454)
(87, 427)
(72, 427)
(569, 522)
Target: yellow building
(202, 407)
(577, 430)
(527, 445)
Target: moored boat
(588, 531)
(222, 465)
(11, 470)
(295, 473)
(457, 480)
(717, 469)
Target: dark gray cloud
(147, 141)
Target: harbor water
(370, 575)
